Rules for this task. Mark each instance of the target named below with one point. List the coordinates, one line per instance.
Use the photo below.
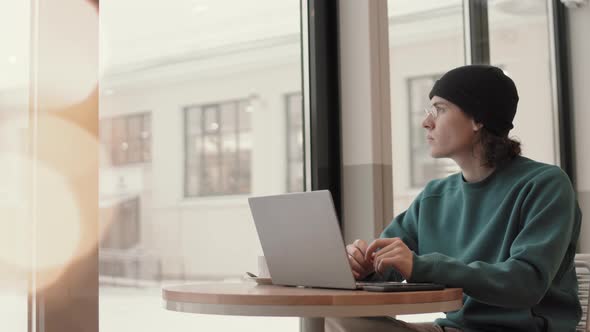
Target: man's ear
(476, 125)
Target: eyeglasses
(432, 111)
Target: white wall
(367, 196)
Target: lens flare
(48, 205)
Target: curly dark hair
(497, 150)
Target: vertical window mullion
(288, 140)
(112, 146)
(478, 32)
(187, 135)
(203, 163)
(562, 88)
(238, 134)
(126, 139)
(324, 90)
(220, 158)
(140, 137)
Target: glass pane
(127, 138)
(426, 38)
(146, 153)
(229, 117)
(15, 259)
(520, 44)
(295, 145)
(296, 182)
(295, 110)
(134, 124)
(133, 151)
(210, 59)
(211, 177)
(119, 128)
(193, 154)
(212, 118)
(146, 138)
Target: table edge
(314, 310)
(350, 297)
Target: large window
(218, 148)
(215, 91)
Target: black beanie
(482, 91)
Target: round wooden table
(312, 304)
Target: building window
(127, 139)
(218, 148)
(423, 167)
(295, 165)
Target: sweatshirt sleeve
(549, 217)
(405, 227)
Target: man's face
(452, 133)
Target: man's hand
(393, 252)
(361, 268)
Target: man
(504, 229)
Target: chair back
(582, 262)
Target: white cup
(262, 268)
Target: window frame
(323, 97)
(204, 133)
(110, 141)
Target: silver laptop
(301, 240)
(302, 243)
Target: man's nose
(428, 123)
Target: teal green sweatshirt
(509, 241)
